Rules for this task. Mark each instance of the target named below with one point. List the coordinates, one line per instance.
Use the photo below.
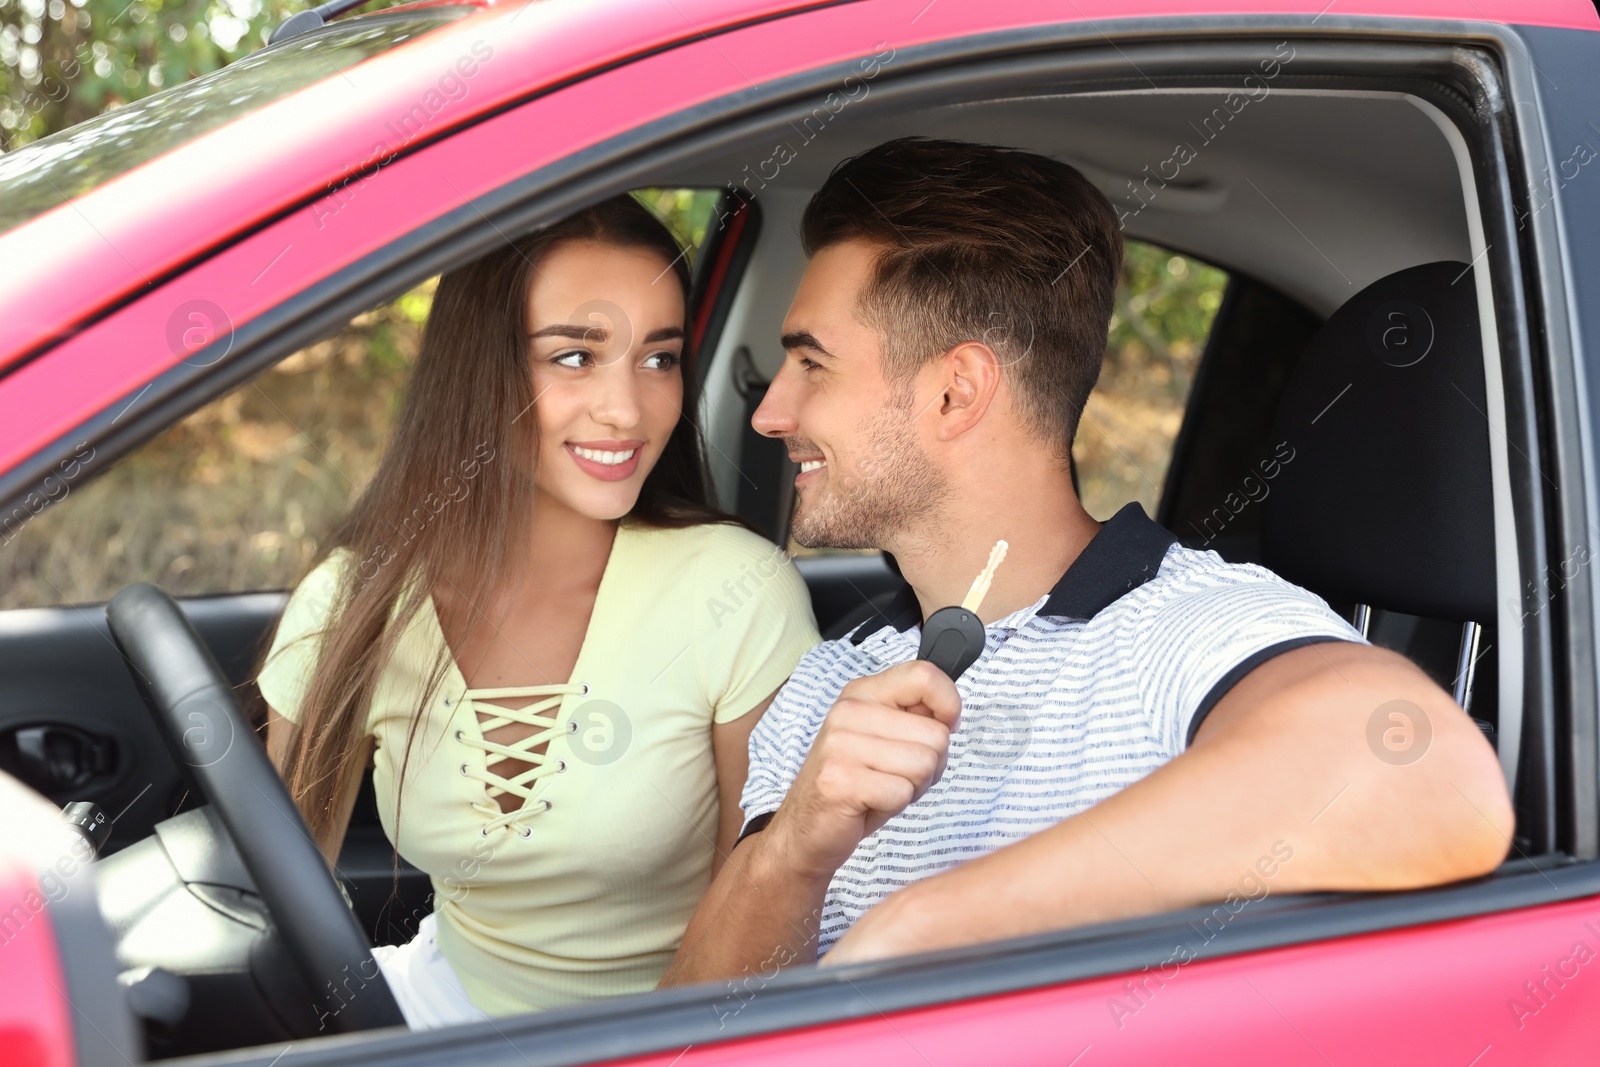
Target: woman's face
(606, 329)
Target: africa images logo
(1399, 732)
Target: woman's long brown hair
(469, 408)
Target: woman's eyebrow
(566, 329)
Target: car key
(953, 637)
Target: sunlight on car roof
(66, 165)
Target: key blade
(980, 584)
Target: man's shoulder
(822, 671)
(835, 658)
(1187, 571)
(1199, 601)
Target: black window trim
(1424, 58)
(1569, 497)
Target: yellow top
(585, 889)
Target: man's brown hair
(981, 243)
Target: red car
(1330, 156)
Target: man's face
(865, 476)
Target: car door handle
(52, 758)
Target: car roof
(124, 237)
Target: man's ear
(971, 379)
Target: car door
(1456, 974)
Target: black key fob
(952, 640)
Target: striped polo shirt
(1085, 691)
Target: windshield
(65, 165)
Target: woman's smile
(610, 461)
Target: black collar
(1125, 553)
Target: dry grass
(1129, 425)
(1165, 307)
(236, 495)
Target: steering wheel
(200, 720)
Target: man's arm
(881, 747)
(1281, 767)
(755, 915)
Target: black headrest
(1386, 498)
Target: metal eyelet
(548, 805)
(464, 773)
(525, 832)
(572, 726)
(561, 765)
(447, 702)
(585, 689)
(460, 736)
(484, 830)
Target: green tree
(63, 61)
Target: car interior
(1325, 209)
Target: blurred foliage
(686, 212)
(69, 163)
(63, 61)
(1165, 305)
(237, 495)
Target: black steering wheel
(200, 720)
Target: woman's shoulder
(334, 564)
(331, 571)
(312, 600)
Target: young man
(1147, 723)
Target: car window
(58, 168)
(238, 495)
(1166, 304)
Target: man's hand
(883, 745)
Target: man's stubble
(890, 492)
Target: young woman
(546, 642)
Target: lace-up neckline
(540, 714)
